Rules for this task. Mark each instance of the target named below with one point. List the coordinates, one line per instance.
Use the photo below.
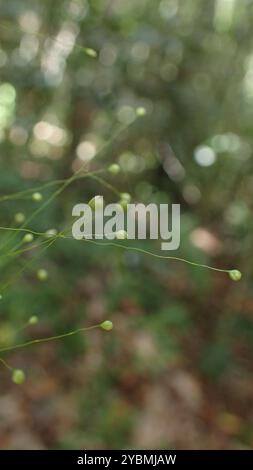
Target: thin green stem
(47, 185)
(5, 364)
(128, 247)
(155, 255)
(46, 244)
(69, 180)
(45, 340)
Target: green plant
(25, 239)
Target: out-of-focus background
(176, 371)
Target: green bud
(37, 197)
(51, 233)
(125, 197)
(97, 202)
(18, 376)
(90, 52)
(235, 275)
(121, 235)
(33, 320)
(107, 325)
(114, 168)
(28, 238)
(141, 111)
(42, 274)
(19, 218)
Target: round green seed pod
(19, 218)
(33, 320)
(235, 275)
(121, 235)
(125, 197)
(107, 325)
(90, 52)
(42, 274)
(37, 197)
(114, 168)
(18, 376)
(28, 238)
(52, 232)
(141, 111)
